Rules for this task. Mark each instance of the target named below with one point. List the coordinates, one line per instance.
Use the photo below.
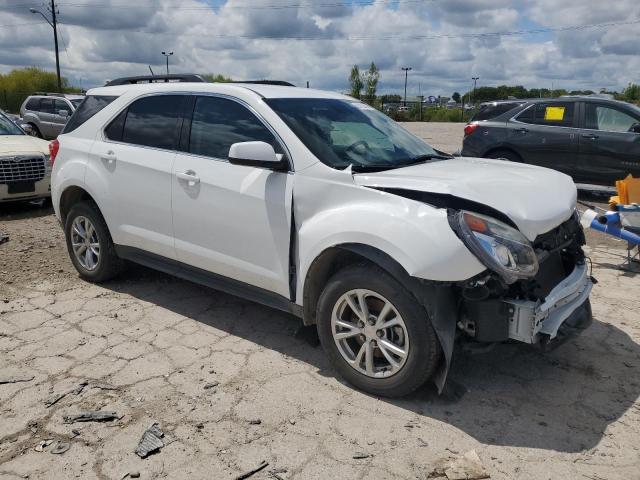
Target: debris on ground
(465, 467)
(98, 416)
(16, 379)
(264, 464)
(42, 445)
(151, 441)
(52, 400)
(131, 475)
(361, 455)
(211, 385)
(60, 448)
(275, 473)
(103, 386)
(255, 421)
(3, 238)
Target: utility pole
(54, 24)
(475, 80)
(421, 98)
(406, 76)
(167, 55)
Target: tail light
(54, 147)
(469, 128)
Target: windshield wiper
(359, 167)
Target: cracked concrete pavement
(147, 345)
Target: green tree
(18, 84)
(371, 77)
(355, 82)
(219, 78)
(456, 97)
(631, 93)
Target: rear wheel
(35, 131)
(89, 244)
(509, 155)
(375, 333)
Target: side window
(218, 123)
(33, 104)
(87, 109)
(554, 114)
(114, 129)
(528, 115)
(61, 105)
(154, 121)
(46, 105)
(599, 117)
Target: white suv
(317, 204)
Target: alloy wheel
(85, 244)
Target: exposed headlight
(498, 246)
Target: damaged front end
(538, 309)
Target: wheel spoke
(79, 248)
(396, 350)
(355, 308)
(358, 360)
(391, 323)
(392, 361)
(362, 301)
(368, 360)
(345, 335)
(88, 258)
(79, 230)
(383, 313)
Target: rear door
(45, 116)
(232, 220)
(546, 134)
(59, 119)
(131, 168)
(609, 149)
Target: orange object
(628, 191)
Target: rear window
(91, 105)
(492, 111)
(154, 121)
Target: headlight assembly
(498, 246)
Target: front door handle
(189, 176)
(109, 157)
(523, 130)
(590, 136)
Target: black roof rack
(280, 83)
(174, 77)
(48, 94)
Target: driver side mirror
(256, 154)
(635, 128)
(63, 113)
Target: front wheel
(376, 334)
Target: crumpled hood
(21, 144)
(536, 199)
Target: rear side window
(33, 104)
(46, 105)
(154, 121)
(87, 109)
(492, 111)
(557, 114)
(218, 123)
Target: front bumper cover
(531, 322)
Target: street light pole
(167, 55)
(406, 76)
(475, 80)
(54, 24)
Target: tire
(416, 333)
(99, 267)
(505, 155)
(35, 131)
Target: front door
(544, 135)
(131, 169)
(228, 219)
(609, 148)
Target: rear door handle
(523, 130)
(590, 136)
(189, 176)
(109, 157)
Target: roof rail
(174, 77)
(48, 94)
(280, 83)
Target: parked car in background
(592, 139)
(24, 164)
(319, 205)
(48, 113)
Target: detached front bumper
(532, 322)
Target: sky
(572, 44)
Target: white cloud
(111, 38)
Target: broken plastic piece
(151, 441)
(99, 416)
(60, 448)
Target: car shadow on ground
(21, 210)
(513, 395)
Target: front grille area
(21, 168)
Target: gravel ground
(233, 384)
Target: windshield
(342, 133)
(76, 101)
(7, 127)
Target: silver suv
(47, 113)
